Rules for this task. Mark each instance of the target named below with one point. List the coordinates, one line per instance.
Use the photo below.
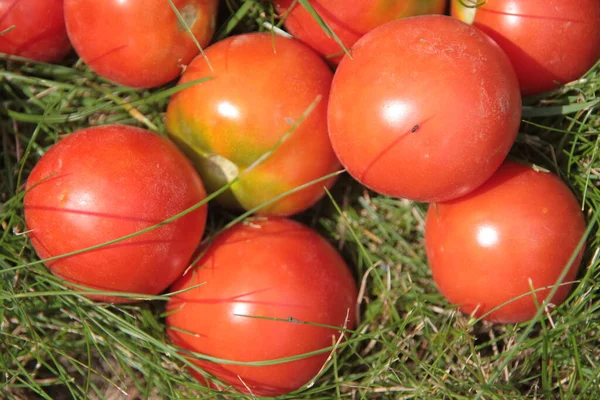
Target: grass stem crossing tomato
(139, 43)
(102, 183)
(263, 286)
(549, 42)
(263, 88)
(349, 19)
(510, 238)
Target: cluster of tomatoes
(424, 108)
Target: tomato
(349, 19)
(514, 233)
(37, 29)
(272, 268)
(427, 109)
(547, 41)
(102, 183)
(262, 87)
(138, 43)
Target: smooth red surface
(39, 29)
(349, 19)
(262, 85)
(484, 249)
(267, 268)
(102, 183)
(549, 42)
(138, 43)
(427, 109)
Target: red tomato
(427, 109)
(106, 182)
(138, 43)
(274, 268)
(262, 85)
(349, 19)
(547, 41)
(514, 233)
(38, 29)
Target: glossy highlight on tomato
(102, 183)
(513, 235)
(349, 19)
(139, 43)
(260, 285)
(427, 108)
(549, 42)
(262, 87)
(37, 29)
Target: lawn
(409, 341)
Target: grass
(410, 343)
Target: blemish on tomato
(189, 16)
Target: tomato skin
(261, 85)
(349, 19)
(483, 248)
(102, 183)
(269, 268)
(547, 41)
(138, 43)
(439, 108)
(39, 31)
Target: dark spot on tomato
(414, 128)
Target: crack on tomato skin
(42, 35)
(508, 14)
(109, 52)
(4, 39)
(235, 299)
(389, 147)
(5, 15)
(93, 214)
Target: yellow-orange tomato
(251, 275)
(261, 88)
(513, 235)
(549, 42)
(102, 183)
(139, 43)
(349, 19)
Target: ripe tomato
(272, 268)
(427, 109)
(515, 232)
(138, 43)
(349, 19)
(547, 41)
(106, 182)
(38, 29)
(262, 85)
